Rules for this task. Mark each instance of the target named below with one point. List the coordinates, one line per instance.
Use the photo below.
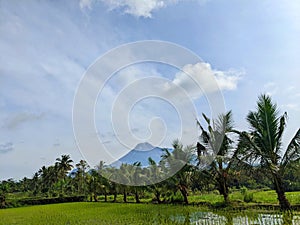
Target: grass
(118, 213)
(266, 197)
(121, 213)
(92, 213)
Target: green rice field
(120, 213)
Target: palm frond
(267, 128)
(282, 124)
(292, 152)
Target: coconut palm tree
(262, 144)
(178, 160)
(48, 177)
(154, 173)
(215, 151)
(104, 183)
(81, 175)
(64, 165)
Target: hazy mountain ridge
(141, 153)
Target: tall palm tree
(216, 142)
(82, 168)
(263, 144)
(103, 181)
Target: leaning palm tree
(262, 144)
(215, 151)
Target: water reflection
(210, 218)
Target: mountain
(141, 153)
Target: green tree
(263, 144)
(216, 141)
(64, 165)
(48, 177)
(154, 174)
(178, 160)
(81, 176)
(105, 185)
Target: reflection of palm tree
(217, 141)
(263, 144)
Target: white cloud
(138, 8)
(200, 78)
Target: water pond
(227, 218)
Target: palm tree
(154, 174)
(263, 144)
(177, 161)
(81, 174)
(35, 183)
(103, 181)
(48, 178)
(216, 141)
(136, 178)
(93, 181)
(64, 165)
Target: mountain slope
(141, 153)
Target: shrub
(243, 190)
(43, 201)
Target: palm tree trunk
(184, 194)
(223, 187)
(105, 197)
(137, 197)
(157, 196)
(115, 197)
(124, 195)
(95, 197)
(2, 201)
(279, 188)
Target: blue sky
(46, 46)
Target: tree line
(221, 159)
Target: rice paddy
(119, 213)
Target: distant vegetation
(245, 161)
